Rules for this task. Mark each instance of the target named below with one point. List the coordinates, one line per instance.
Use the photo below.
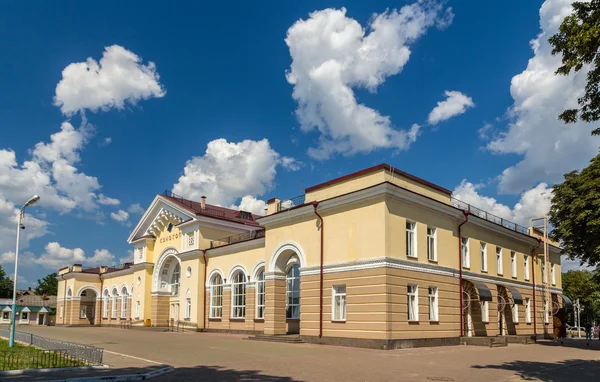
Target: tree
(575, 213)
(6, 286)
(48, 285)
(583, 286)
(578, 39)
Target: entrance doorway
(41, 319)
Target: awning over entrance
(568, 302)
(484, 292)
(517, 298)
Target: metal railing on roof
(286, 204)
(489, 217)
(237, 238)
(194, 205)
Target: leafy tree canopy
(48, 285)
(583, 285)
(6, 286)
(578, 40)
(575, 213)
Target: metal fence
(37, 359)
(489, 217)
(237, 238)
(89, 354)
(286, 204)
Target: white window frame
(238, 295)
(544, 278)
(137, 309)
(289, 294)
(7, 314)
(431, 243)
(24, 314)
(433, 303)
(464, 249)
(483, 256)
(412, 293)
(188, 309)
(61, 312)
(527, 310)
(82, 311)
(546, 318)
(526, 267)
(513, 264)
(113, 310)
(499, 261)
(553, 274)
(260, 295)
(411, 239)
(105, 300)
(485, 311)
(515, 313)
(216, 297)
(338, 303)
(190, 240)
(124, 303)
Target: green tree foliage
(6, 286)
(578, 40)
(583, 285)
(48, 285)
(575, 213)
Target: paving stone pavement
(227, 357)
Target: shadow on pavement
(568, 370)
(572, 343)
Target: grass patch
(28, 357)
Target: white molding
(82, 275)
(276, 276)
(154, 210)
(190, 254)
(236, 268)
(236, 247)
(259, 265)
(287, 245)
(211, 274)
(165, 254)
(95, 289)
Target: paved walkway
(224, 357)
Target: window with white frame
(546, 319)
(61, 312)
(137, 309)
(175, 277)
(105, 300)
(413, 302)
(485, 311)
(338, 303)
(527, 310)
(83, 312)
(140, 252)
(238, 295)
(515, 313)
(216, 296)
(6, 316)
(191, 243)
(260, 294)
(464, 246)
(499, 269)
(124, 302)
(526, 267)
(113, 312)
(24, 316)
(553, 274)
(431, 244)
(188, 308)
(483, 256)
(433, 303)
(544, 278)
(292, 291)
(513, 263)
(411, 239)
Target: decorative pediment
(159, 215)
(162, 220)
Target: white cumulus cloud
(120, 216)
(56, 256)
(105, 200)
(456, 103)
(332, 54)
(119, 77)
(250, 204)
(548, 147)
(136, 208)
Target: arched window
(292, 290)
(105, 299)
(238, 297)
(175, 280)
(113, 311)
(169, 276)
(260, 294)
(69, 293)
(124, 302)
(216, 296)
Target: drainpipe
(204, 287)
(64, 301)
(460, 276)
(315, 205)
(533, 261)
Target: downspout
(315, 205)
(204, 288)
(460, 275)
(64, 300)
(533, 261)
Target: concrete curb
(48, 370)
(120, 378)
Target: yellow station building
(373, 259)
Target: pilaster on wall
(275, 307)
(159, 315)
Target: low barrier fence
(37, 359)
(90, 354)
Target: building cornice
(190, 255)
(82, 275)
(236, 247)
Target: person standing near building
(588, 331)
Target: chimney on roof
(29, 289)
(203, 202)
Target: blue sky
(219, 75)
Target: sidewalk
(59, 375)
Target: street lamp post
(30, 202)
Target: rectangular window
(411, 240)
(6, 315)
(515, 313)
(513, 263)
(238, 296)
(544, 278)
(61, 312)
(24, 316)
(124, 307)
(137, 309)
(466, 258)
(483, 255)
(105, 307)
(527, 310)
(83, 312)
(499, 260)
(433, 303)
(190, 240)
(526, 267)
(260, 296)
(546, 319)
(113, 312)
(338, 302)
(188, 308)
(413, 303)
(431, 247)
(485, 311)
(553, 274)
(216, 300)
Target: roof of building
(37, 300)
(378, 168)
(19, 308)
(213, 211)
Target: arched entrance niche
(283, 288)
(89, 303)
(165, 288)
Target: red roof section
(212, 211)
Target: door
(500, 323)
(41, 319)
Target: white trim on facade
(257, 268)
(285, 246)
(211, 275)
(235, 269)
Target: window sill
(432, 260)
(434, 322)
(412, 257)
(500, 274)
(484, 271)
(237, 319)
(514, 277)
(485, 322)
(292, 320)
(338, 321)
(259, 320)
(528, 323)
(214, 319)
(413, 322)
(466, 267)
